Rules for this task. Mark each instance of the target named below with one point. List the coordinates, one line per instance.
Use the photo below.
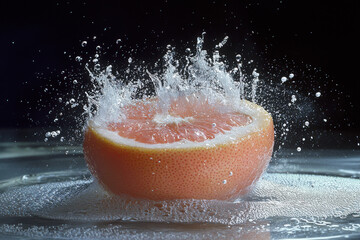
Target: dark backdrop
(35, 34)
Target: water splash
(202, 74)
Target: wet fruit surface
(219, 167)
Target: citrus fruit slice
(192, 148)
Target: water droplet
(98, 47)
(75, 82)
(318, 94)
(62, 139)
(60, 99)
(298, 149)
(213, 124)
(78, 58)
(231, 173)
(72, 101)
(307, 123)
(238, 57)
(291, 75)
(46, 139)
(129, 60)
(84, 43)
(48, 134)
(283, 79)
(224, 182)
(118, 41)
(325, 120)
(293, 98)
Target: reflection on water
(50, 194)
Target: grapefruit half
(192, 149)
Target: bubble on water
(307, 123)
(318, 94)
(60, 99)
(72, 101)
(293, 98)
(46, 139)
(62, 139)
(231, 173)
(118, 41)
(130, 60)
(84, 43)
(48, 134)
(291, 75)
(224, 181)
(296, 196)
(75, 82)
(325, 120)
(98, 47)
(298, 149)
(283, 79)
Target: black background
(35, 34)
